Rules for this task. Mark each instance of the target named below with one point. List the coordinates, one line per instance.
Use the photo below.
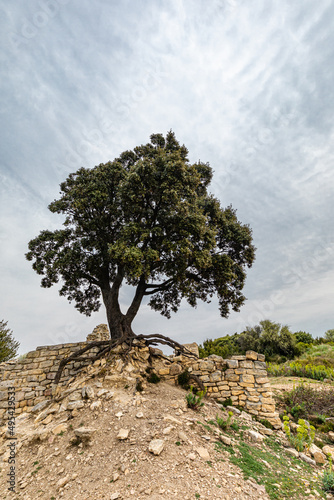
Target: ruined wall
(241, 378)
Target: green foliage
(266, 423)
(8, 345)
(329, 335)
(153, 378)
(313, 401)
(183, 379)
(328, 477)
(304, 337)
(299, 369)
(305, 434)
(224, 424)
(194, 401)
(269, 338)
(227, 402)
(145, 219)
(297, 410)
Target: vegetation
(305, 400)
(224, 424)
(8, 345)
(147, 220)
(304, 437)
(194, 401)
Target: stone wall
(241, 378)
(33, 376)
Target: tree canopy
(145, 219)
(8, 345)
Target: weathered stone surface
(156, 446)
(251, 355)
(292, 451)
(40, 406)
(123, 434)
(175, 369)
(59, 428)
(84, 433)
(307, 459)
(226, 440)
(75, 405)
(87, 392)
(254, 436)
(203, 453)
(328, 450)
(232, 363)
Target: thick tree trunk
(119, 323)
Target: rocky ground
(105, 440)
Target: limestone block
(164, 371)
(261, 357)
(236, 392)
(246, 384)
(262, 380)
(232, 363)
(225, 388)
(204, 378)
(247, 378)
(206, 366)
(238, 357)
(225, 394)
(233, 384)
(240, 371)
(261, 365)
(260, 373)
(246, 364)
(231, 377)
(270, 408)
(46, 364)
(175, 369)
(253, 406)
(253, 399)
(251, 355)
(216, 376)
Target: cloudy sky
(246, 86)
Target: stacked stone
(241, 378)
(100, 332)
(33, 376)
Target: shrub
(313, 399)
(153, 378)
(224, 424)
(328, 477)
(183, 379)
(194, 401)
(227, 402)
(305, 434)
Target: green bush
(194, 401)
(305, 434)
(224, 424)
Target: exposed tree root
(107, 346)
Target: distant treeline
(274, 340)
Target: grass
(283, 477)
(307, 401)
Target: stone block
(261, 357)
(232, 363)
(253, 406)
(261, 365)
(216, 376)
(246, 384)
(164, 371)
(232, 377)
(206, 366)
(46, 364)
(247, 378)
(270, 408)
(175, 369)
(262, 380)
(253, 399)
(251, 355)
(246, 364)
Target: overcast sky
(246, 86)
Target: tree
(8, 345)
(145, 219)
(329, 335)
(304, 337)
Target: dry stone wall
(241, 378)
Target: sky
(246, 86)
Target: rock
(84, 433)
(292, 451)
(319, 457)
(191, 456)
(123, 434)
(245, 415)
(102, 392)
(183, 436)
(40, 406)
(64, 480)
(254, 436)
(331, 435)
(328, 450)
(95, 405)
(156, 446)
(226, 440)
(251, 355)
(307, 459)
(59, 428)
(172, 419)
(140, 414)
(87, 392)
(168, 430)
(75, 405)
(75, 396)
(233, 409)
(203, 453)
(115, 496)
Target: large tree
(145, 219)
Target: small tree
(145, 219)
(8, 345)
(329, 335)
